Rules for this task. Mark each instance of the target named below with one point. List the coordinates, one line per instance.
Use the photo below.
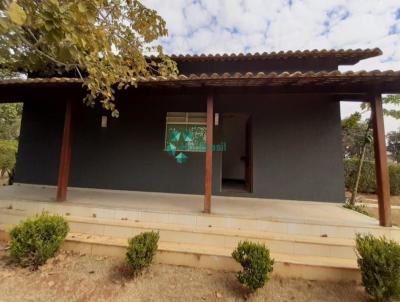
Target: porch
(311, 240)
(114, 202)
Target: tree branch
(35, 48)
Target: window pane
(197, 117)
(176, 117)
(187, 137)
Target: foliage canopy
(393, 144)
(367, 182)
(10, 120)
(355, 133)
(393, 100)
(105, 42)
(8, 150)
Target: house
(254, 125)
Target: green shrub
(379, 262)
(8, 149)
(256, 262)
(33, 241)
(394, 174)
(368, 180)
(141, 250)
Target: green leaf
(82, 7)
(16, 13)
(55, 2)
(107, 40)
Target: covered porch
(359, 87)
(115, 204)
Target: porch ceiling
(360, 81)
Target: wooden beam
(382, 173)
(65, 156)
(209, 152)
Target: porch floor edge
(313, 213)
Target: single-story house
(256, 125)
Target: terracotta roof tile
(315, 53)
(238, 79)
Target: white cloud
(197, 15)
(226, 26)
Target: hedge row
(368, 180)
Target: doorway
(236, 175)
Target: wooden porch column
(382, 173)
(209, 152)
(65, 157)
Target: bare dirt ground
(372, 198)
(79, 278)
(395, 215)
(4, 180)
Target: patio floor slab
(250, 208)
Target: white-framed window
(186, 131)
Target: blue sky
(226, 26)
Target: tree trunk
(11, 175)
(358, 176)
(354, 191)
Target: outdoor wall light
(216, 119)
(104, 121)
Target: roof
(340, 54)
(386, 81)
(238, 79)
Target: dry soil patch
(72, 277)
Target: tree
(393, 144)
(105, 42)
(354, 129)
(8, 150)
(391, 100)
(357, 139)
(10, 120)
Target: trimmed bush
(379, 262)
(368, 179)
(256, 262)
(141, 251)
(33, 241)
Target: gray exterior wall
(296, 145)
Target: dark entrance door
(236, 160)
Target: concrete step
(211, 257)
(202, 256)
(217, 237)
(273, 225)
